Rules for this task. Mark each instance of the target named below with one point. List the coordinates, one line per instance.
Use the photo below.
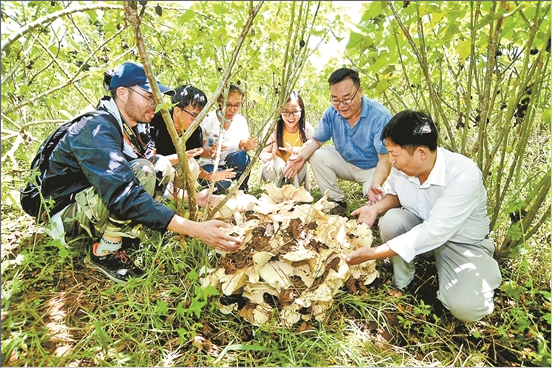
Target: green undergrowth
(58, 312)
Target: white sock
(107, 246)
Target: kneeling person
(435, 201)
(189, 101)
(100, 177)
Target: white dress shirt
(452, 203)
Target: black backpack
(31, 198)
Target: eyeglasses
(192, 114)
(346, 101)
(236, 106)
(151, 101)
(289, 113)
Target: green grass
(58, 312)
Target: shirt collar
(364, 109)
(111, 106)
(437, 174)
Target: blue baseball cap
(130, 74)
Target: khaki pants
(273, 170)
(468, 274)
(328, 165)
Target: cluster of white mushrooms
(292, 261)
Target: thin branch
(248, 24)
(20, 59)
(65, 72)
(44, 21)
(39, 96)
(71, 80)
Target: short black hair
(108, 75)
(343, 73)
(189, 95)
(411, 129)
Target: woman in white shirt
(229, 129)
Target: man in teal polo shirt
(354, 123)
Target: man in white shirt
(435, 201)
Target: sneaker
(116, 265)
(340, 208)
(131, 244)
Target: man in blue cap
(103, 180)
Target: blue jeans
(238, 161)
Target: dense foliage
(482, 69)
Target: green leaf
(211, 290)
(546, 116)
(162, 308)
(511, 289)
(487, 19)
(354, 41)
(547, 295)
(105, 341)
(463, 49)
(181, 335)
(451, 31)
(381, 62)
(192, 275)
(382, 85)
(274, 69)
(435, 19)
(425, 9)
(514, 232)
(515, 205)
(186, 17)
(373, 10)
(93, 15)
(196, 307)
(164, 105)
(180, 310)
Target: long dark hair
(280, 125)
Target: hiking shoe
(131, 244)
(116, 265)
(340, 208)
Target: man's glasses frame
(192, 114)
(151, 101)
(346, 101)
